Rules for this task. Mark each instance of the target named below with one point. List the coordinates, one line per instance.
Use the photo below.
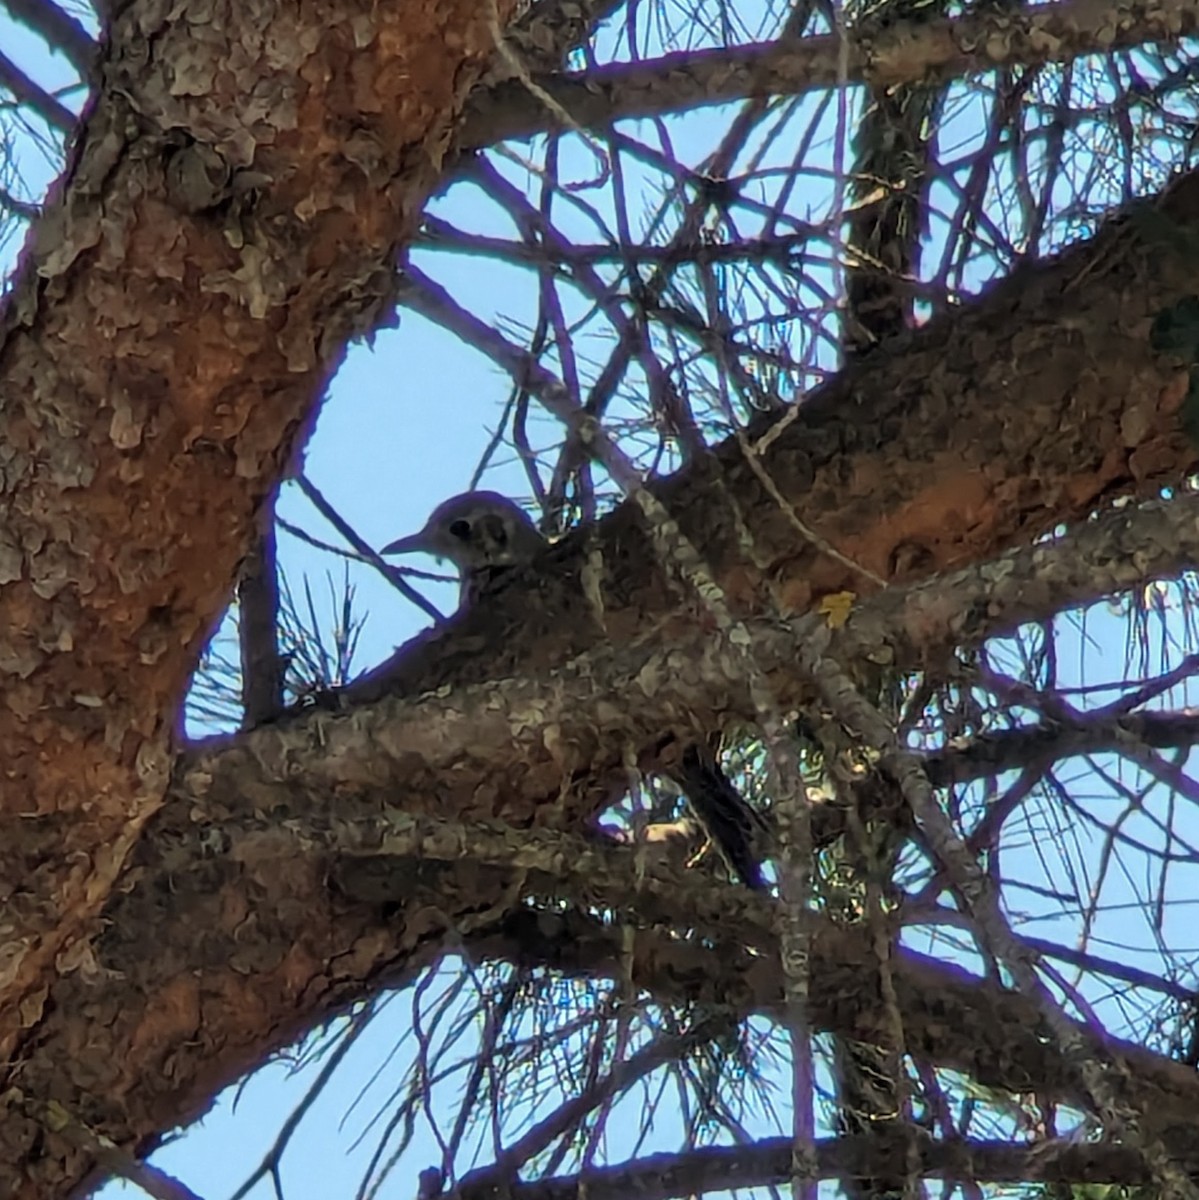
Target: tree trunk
(230, 218)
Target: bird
(485, 535)
(735, 826)
(489, 537)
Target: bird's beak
(411, 544)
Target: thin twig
(1105, 1081)
(393, 576)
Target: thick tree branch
(906, 52)
(994, 753)
(950, 1018)
(876, 466)
(767, 1163)
(129, 510)
(254, 944)
(404, 724)
(375, 866)
(260, 815)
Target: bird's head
(476, 531)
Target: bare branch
(907, 52)
(767, 1164)
(25, 91)
(61, 31)
(367, 553)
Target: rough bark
(254, 943)
(931, 52)
(230, 218)
(527, 741)
(983, 428)
(287, 874)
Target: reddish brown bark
(898, 52)
(229, 218)
(254, 905)
(159, 361)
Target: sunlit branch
(904, 53)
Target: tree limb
(26, 91)
(767, 1163)
(907, 52)
(128, 511)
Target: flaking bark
(243, 917)
(229, 218)
(259, 209)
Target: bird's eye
(460, 530)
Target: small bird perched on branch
(487, 536)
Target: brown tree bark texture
(160, 359)
(234, 928)
(230, 216)
(901, 52)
